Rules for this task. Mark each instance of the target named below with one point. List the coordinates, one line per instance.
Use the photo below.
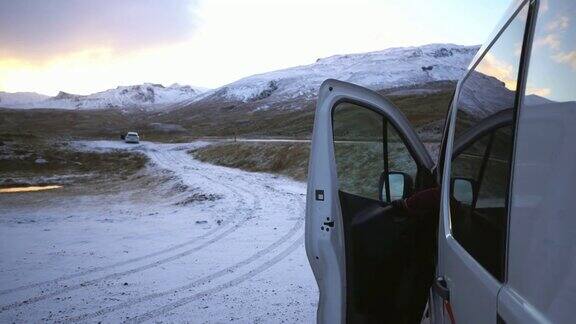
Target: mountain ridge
(143, 96)
(14, 98)
(385, 69)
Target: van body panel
(542, 245)
(537, 281)
(462, 263)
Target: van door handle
(441, 288)
(330, 224)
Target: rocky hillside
(419, 80)
(143, 96)
(390, 68)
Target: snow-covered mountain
(16, 98)
(144, 96)
(390, 68)
(483, 95)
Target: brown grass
(21, 161)
(289, 159)
(423, 104)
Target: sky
(552, 72)
(82, 47)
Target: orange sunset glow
(82, 47)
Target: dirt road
(205, 244)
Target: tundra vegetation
(35, 130)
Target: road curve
(254, 202)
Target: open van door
(371, 263)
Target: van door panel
(472, 240)
(365, 253)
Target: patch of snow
(40, 161)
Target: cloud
(559, 24)
(39, 29)
(544, 6)
(550, 40)
(499, 69)
(542, 92)
(84, 46)
(566, 58)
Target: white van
(487, 233)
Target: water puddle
(28, 189)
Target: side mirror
(399, 184)
(463, 190)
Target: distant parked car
(132, 137)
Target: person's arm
(425, 202)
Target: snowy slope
(16, 98)
(390, 68)
(145, 96)
(483, 95)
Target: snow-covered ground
(226, 245)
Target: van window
(366, 145)
(483, 144)
(358, 149)
(542, 243)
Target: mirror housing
(463, 190)
(400, 185)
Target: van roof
(132, 133)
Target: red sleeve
(424, 201)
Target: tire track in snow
(102, 268)
(294, 230)
(129, 261)
(85, 284)
(234, 282)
